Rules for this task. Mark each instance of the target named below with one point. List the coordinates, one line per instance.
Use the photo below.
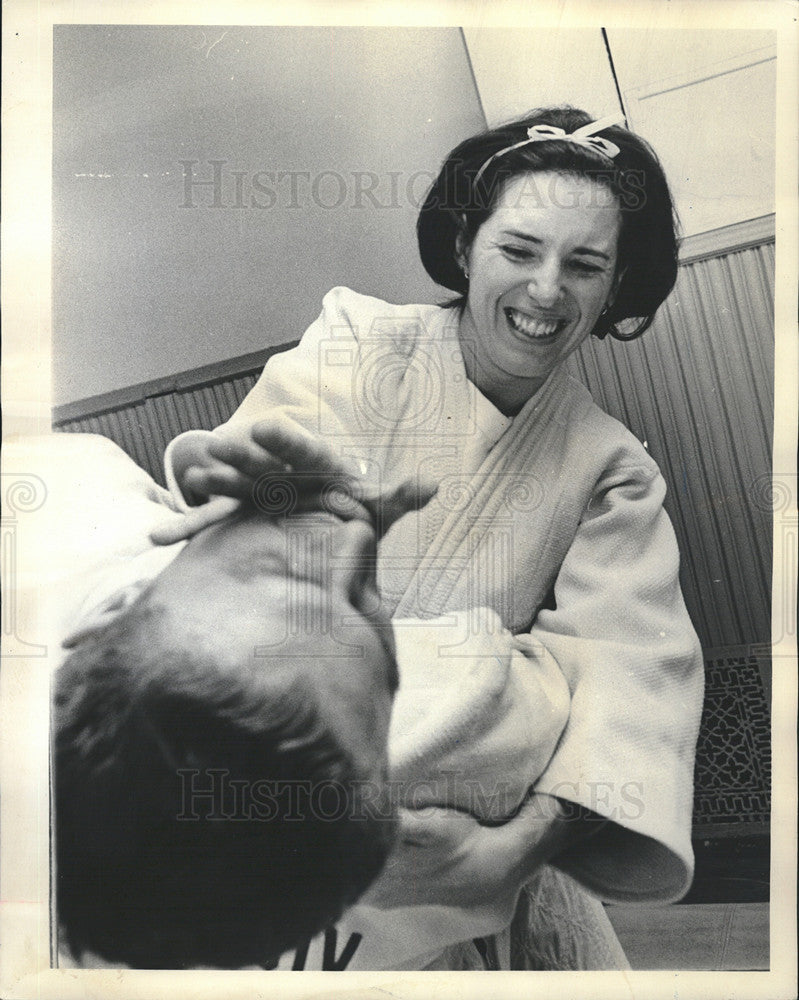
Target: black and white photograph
(399, 500)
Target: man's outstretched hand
(252, 463)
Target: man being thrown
(229, 666)
(255, 662)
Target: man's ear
(104, 613)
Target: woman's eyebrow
(522, 236)
(517, 234)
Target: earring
(465, 268)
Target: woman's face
(541, 269)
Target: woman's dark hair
(201, 819)
(456, 206)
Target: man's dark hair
(153, 873)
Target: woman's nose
(544, 287)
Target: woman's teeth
(532, 327)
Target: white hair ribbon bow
(583, 136)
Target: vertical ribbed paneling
(144, 429)
(698, 388)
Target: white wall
(706, 102)
(519, 69)
(704, 99)
(148, 283)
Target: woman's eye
(516, 253)
(585, 267)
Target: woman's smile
(535, 327)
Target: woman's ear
(104, 613)
(462, 245)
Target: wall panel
(698, 389)
(143, 427)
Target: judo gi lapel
(506, 524)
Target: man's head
(220, 748)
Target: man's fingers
(246, 457)
(218, 480)
(304, 452)
(279, 446)
(174, 531)
(410, 494)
